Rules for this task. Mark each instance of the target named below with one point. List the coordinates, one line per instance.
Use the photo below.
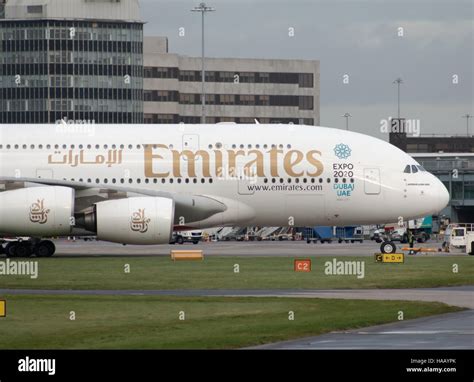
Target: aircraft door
(372, 181)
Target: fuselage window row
(203, 180)
(121, 146)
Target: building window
(264, 100)
(457, 188)
(148, 95)
(469, 190)
(247, 77)
(163, 95)
(188, 75)
(264, 77)
(227, 99)
(148, 72)
(211, 76)
(305, 80)
(210, 99)
(226, 119)
(305, 103)
(186, 99)
(164, 118)
(226, 77)
(247, 100)
(148, 118)
(34, 8)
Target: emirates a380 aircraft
(135, 184)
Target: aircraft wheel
(388, 247)
(10, 249)
(45, 248)
(18, 249)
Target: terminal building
(82, 60)
(451, 159)
(237, 90)
(87, 61)
(71, 58)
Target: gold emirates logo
(139, 222)
(255, 162)
(38, 214)
(160, 161)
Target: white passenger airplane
(135, 184)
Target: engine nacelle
(37, 211)
(140, 220)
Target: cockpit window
(414, 168)
(407, 169)
(421, 168)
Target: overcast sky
(358, 38)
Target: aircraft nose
(439, 195)
(443, 195)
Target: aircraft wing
(192, 208)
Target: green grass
(217, 272)
(146, 322)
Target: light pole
(467, 116)
(347, 116)
(398, 81)
(203, 8)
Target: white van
(458, 237)
(182, 237)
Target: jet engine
(136, 220)
(37, 211)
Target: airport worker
(411, 241)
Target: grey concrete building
(237, 90)
(78, 59)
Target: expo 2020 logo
(342, 151)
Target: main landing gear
(27, 248)
(388, 247)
